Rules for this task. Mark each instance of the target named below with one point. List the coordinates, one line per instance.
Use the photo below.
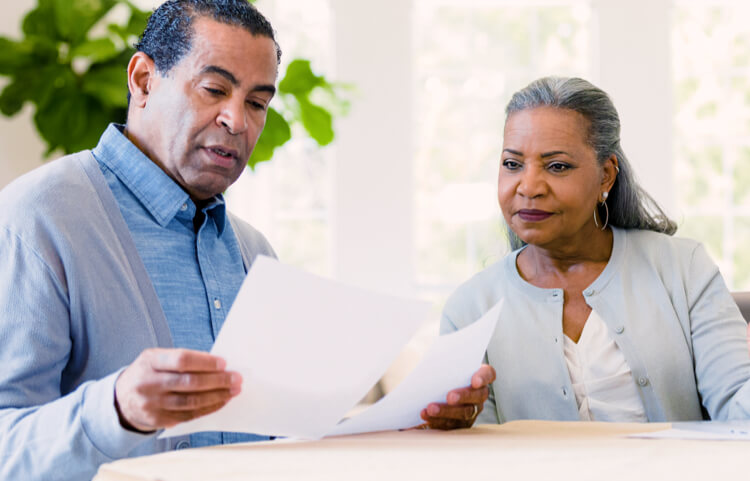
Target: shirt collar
(160, 195)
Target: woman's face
(550, 181)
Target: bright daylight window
(469, 58)
(288, 198)
(711, 68)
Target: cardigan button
(643, 381)
(620, 329)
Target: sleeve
(489, 411)
(43, 433)
(720, 345)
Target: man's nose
(233, 117)
(532, 183)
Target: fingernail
(234, 390)
(453, 398)
(433, 410)
(235, 378)
(221, 364)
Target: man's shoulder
(251, 240)
(58, 189)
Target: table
(527, 450)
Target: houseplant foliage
(71, 65)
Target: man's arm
(49, 431)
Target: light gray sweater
(666, 307)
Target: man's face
(201, 120)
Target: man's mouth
(223, 153)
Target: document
(703, 430)
(308, 350)
(448, 364)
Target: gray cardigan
(667, 308)
(76, 305)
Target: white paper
(448, 364)
(703, 430)
(308, 350)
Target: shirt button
(589, 292)
(643, 381)
(182, 445)
(183, 207)
(620, 329)
(217, 303)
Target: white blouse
(604, 386)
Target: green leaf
(74, 18)
(12, 98)
(299, 79)
(108, 84)
(41, 21)
(276, 133)
(317, 121)
(14, 55)
(97, 50)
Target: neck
(591, 247)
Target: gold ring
(476, 411)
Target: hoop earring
(606, 211)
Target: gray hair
(630, 207)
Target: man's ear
(141, 75)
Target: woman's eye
(558, 167)
(511, 164)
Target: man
(120, 263)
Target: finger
(170, 418)
(464, 412)
(484, 376)
(185, 360)
(467, 395)
(194, 401)
(197, 382)
(445, 424)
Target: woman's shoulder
(659, 244)
(480, 292)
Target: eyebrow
(233, 80)
(544, 155)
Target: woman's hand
(462, 405)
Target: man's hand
(163, 387)
(462, 404)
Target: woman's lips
(533, 215)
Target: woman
(606, 316)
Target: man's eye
(256, 105)
(213, 91)
(558, 167)
(511, 164)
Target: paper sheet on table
(448, 364)
(703, 430)
(308, 349)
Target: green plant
(70, 64)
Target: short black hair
(169, 32)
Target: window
(711, 68)
(470, 57)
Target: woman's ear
(141, 74)
(610, 171)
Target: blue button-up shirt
(196, 268)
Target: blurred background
(403, 201)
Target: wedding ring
(476, 411)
